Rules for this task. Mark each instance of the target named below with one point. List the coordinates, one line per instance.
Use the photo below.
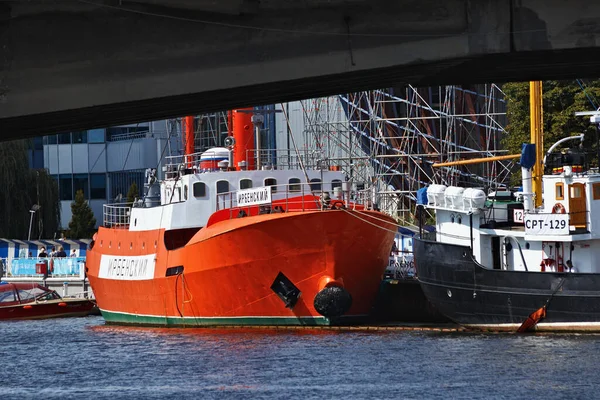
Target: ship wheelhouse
(502, 234)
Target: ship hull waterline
(497, 300)
(228, 269)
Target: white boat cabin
(192, 191)
(562, 235)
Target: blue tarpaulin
(527, 155)
(422, 196)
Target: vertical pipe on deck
(244, 138)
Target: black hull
(474, 296)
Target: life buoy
(558, 209)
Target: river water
(82, 358)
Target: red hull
(229, 267)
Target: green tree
(83, 222)
(561, 99)
(22, 188)
(132, 193)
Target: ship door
(496, 252)
(577, 205)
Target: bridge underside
(74, 65)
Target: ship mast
(535, 115)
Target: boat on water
(32, 301)
(222, 240)
(518, 261)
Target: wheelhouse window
(245, 184)
(336, 183)
(315, 185)
(273, 183)
(560, 191)
(294, 184)
(185, 192)
(222, 187)
(596, 191)
(199, 189)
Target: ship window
(560, 191)
(199, 189)
(222, 187)
(185, 192)
(315, 184)
(336, 183)
(294, 184)
(576, 192)
(245, 184)
(596, 191)
(273, 183)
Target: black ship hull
(478, 297)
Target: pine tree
(132, 194)
(83, 222)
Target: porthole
(527, 245)
(110, 244)
(155, 243)
(119, 245)
(101, 243)
(130, 245)
(143, 245)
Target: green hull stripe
(150, 320)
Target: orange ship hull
(224, 273)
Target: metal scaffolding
(389, 139)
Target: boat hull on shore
(224, 274)
(482, 298)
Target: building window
(222, 187)
(98, 186)
(273, 183)
(560, 191)
(199, 189)
(315, 185)
(80, 137)
(120, 182)
(294, 184)
(96, 136)
(596, 191)
(245, 184)
(65, 187)
(80, 182)
(64, 138)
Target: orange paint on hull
(228, 267)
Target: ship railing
(513, 218)
(268, 159)
(38, 267)
(116, 215)
(301, 197)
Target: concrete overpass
(80, 64)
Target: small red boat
(33, 301)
